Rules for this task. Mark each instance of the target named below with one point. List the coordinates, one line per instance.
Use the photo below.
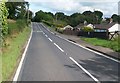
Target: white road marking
(22, 59)
(91, 50)
(52, 32)
(95, 79)
(43, 33)
(59, 47)
(50, 39)
(38, 31)
(46, 36)
(88, 48)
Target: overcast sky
(108, 7)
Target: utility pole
(28, 13)
(56, 17)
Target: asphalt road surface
(51, 58)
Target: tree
(59, 16)
(40, 16)
(76, 19)
(16, 9)
(119, 19)
(87, 13)
(115, 17)
(3, 20)
(98, 16)
(93, 17)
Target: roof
(68, 26)
(80, 25)
(90, 25)
(104, 26)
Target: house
(68, 27)
(80, 26)
(111, 29)
(90, 25)
(114, 28)
(70, 30)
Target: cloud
(108, 7)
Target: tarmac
(76, 39)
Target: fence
(71, 32)
(102, 35)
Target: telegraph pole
(28, 13)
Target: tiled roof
(104, 26)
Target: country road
(51, 58)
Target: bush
(60, 30)
(21, 24)
(17, 26)
(87, 29)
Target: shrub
(87, 29)
(21, 24)
(60, 30)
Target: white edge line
(91, 50)
(52, 32)
(22, 59)
(50, 39)
(59, 47)
(95, 79)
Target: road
(51, 58)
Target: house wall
(114, 28)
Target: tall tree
(87, 13)
(115, 17)
(59, 16)
(98, 16)
(16, 9)
(3, 22)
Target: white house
(68, 27)
(90, 25)
(114, 28)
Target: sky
(108, 7)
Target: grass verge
(13, 52)
(113, 44)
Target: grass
(12, 52)
(112, 44)
(0, 65)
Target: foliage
(3, 22)
(76, 19)
(59, 29)
(115, 18)
(16, 27)
(3, 18)
(11, 53)
(87, 29)
(19, 22)
(40, 15)
(17, 10)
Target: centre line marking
(50, 39)
(95, 79)
(90, 50)
(43, 33)
(59, 47)
(46, 35)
